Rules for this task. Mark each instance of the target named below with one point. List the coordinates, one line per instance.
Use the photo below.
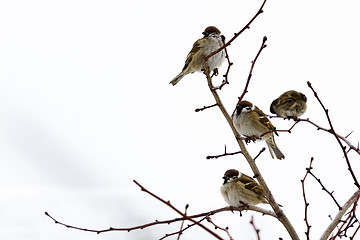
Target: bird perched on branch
(239, 189)
(252, 123)
(290, 104)
(202, 48)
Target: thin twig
(226, 229)
(263, 45)
(178, 211)
(186, 228)
(332, 130)
(247, 26)
(223, 155)
(352, 147)
(205, 107)
(347, 223)
(225, 81)
(182, 223)
(261, 151)
(339, 215)
(257, 231)
(327, 191)
(305, 201)
(157, 222)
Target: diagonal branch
(263, 45)
(339, 215)
(332, 131)
(226, 229)
(279, 213)
(178, 211)
(325, 189)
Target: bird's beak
(205, 34)
(303, 97)
(238, 109)
(225, 179)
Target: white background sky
(86, 108)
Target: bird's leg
(250, 138)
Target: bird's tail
(177, 78)
(273, 148)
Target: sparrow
(252, 123)
(202, 48)
(239, 189)
(291, 104)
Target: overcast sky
(86, 108)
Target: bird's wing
(264, 120)
(196, 46)
(250, 183)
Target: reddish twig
(226, 229)
(344, 139)
(347, 223)
(257, 231)
(305, 201)
(263, 45)
(178, 211)
(339, 215)
(157, 222)
(174, 233)
(223, 155)
(205, 107)
(247, 26)
(182, 223)
(225, 81)
(353, 236)
(325, 189)
(332, 131)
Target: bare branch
(226, 229)
(347, 223)
(174, 233)
(263, 45)
(182, 223)
(178, 211)
(223, 155)
(205, 107)
(247, 26)
(225, 81)
(325, 189)
(257, 231)
(332, 130)
(279, 213)
(261, 151)
(339, 215)
(305, 201)
(156, 222)
(352, 147)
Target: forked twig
(223, 155)
(226, 229)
